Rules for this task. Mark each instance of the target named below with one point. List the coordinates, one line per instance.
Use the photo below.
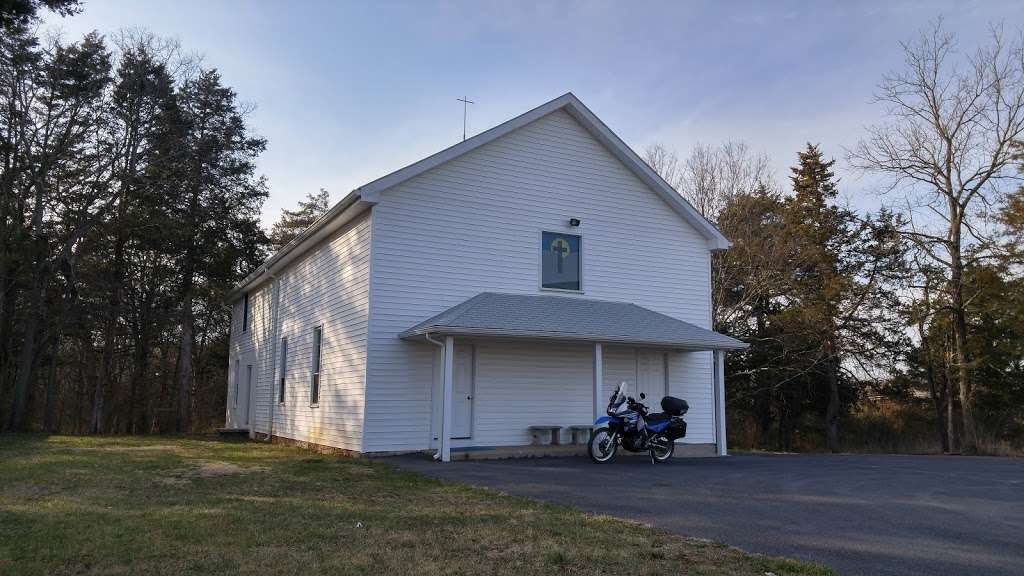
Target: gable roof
(575, 108)
(369, 194)
(567, 318)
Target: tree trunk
(96, 416)
(185, 363)
(51, 414)
(937, 395)
(110, 331)
(832, 412)
(947, 372)
(26, 361)
(969, 434)
(8, 297)
(137, 377)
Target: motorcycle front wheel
(602, 446)
(662, 449)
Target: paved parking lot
(860, 514)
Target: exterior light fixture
(574, 222)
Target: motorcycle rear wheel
(602, 446)
(662, 449)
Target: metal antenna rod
(465, 103)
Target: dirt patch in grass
(207, 469)
(268, 510)
(214, 469)
(170, 448)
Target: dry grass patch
(101, 505)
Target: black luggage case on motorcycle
(674, 406)
(676, 429)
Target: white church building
(509, 281)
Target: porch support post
(598, 379)
(719, 379)
(446, 400)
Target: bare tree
(712, 178)
(946, 147)
(711, 175)
(665, 162)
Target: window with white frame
(314, 383)
(560, 261)
(284, 369)
(245, 312)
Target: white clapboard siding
(474, 224)
(329, 287)
(522, 384)
(689, 377)
(249, 347)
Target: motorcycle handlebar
(639, 407)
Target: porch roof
(568, 318)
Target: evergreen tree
(129, 207)
(293, 222)
(751, 282)
(841, 289)
(217, 201)
(22, 13)
(61, 190)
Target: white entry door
(462, 392)
(651, 378)
(245, 367)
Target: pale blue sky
(346, 92)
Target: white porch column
(446, 399)
(598, 379)
(719, 379)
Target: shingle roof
(568, 318)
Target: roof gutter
(691, 346)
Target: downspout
(438, 343)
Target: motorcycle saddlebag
(674, 406)
(676, 429)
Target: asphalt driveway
(859, 514)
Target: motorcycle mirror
(643, 396)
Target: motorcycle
(630, 424)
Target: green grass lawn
(117, 505)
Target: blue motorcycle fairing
(658, 426)
(606, 420)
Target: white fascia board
(594, 125)
(370, 194)
(626, 155)
(463, 147)
(340, 214)
(510, 334)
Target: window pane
(314, 385)
(560, 261)
(245, 313)
(284, 368)
(317, 337)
